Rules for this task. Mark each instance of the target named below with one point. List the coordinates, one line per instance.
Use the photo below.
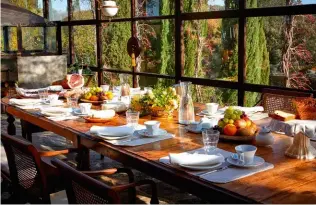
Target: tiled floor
(50, 141)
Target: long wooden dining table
(290, 181)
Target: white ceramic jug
(265, 137)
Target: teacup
(211, 108)
(105, 88)
(85, 108)
(53, 98)
(246, 153)
(152, 127)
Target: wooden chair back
(82, 189)
(26, 172)
(280, 100)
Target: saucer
(57, 103)
(78, 112)
(257, 161)
(144, 133)
(197, 131)
(203, 167)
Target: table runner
(228, 175)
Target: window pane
(205, 94)
(33, 38)
(65, 41)
(124, 10)
(35, 7)
(51, 39)
(114, 40)
(211, 49)
(273, 3)
(58, 10)
(281, 51)
(13, 40)
(113, 79)
(158, 46)
(85, 45)
(83, 9)
(251, 99)
(210, 5)
(147, 81)
(154, 7)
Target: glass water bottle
(186, 109)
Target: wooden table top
(290, 181)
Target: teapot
(265, 137)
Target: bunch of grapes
(230, 116)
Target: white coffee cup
(53, 98)
(152, 127)
(211, 108)
(85, 108)
(109, 3)
(246, 153)
(105, 87)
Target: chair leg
(101, 156)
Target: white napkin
(24, 102)
(103, 113)
(195, 159)
(112, 131)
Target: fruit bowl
(96, 95)
(93, 102)
(236, 126)
(238, 138)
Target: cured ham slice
(71, 81)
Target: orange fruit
(230, 129)
(94, 98)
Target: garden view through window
(280, 50)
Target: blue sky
(61, 5)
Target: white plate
(54, 111)
(204, 167)
(113, 137)
(257, 161)
(144, 133)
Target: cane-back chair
(280, 100)
(81, 188)
(32, 179)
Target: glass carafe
(186, 109)
(125, 88)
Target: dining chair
(81, 188)
(273, 99)
(32, 179)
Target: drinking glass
(210, 140)
(72, 102)
(43, 95)
(132, 118)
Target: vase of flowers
(159, 102)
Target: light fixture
(109, 8)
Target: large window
(229, 49)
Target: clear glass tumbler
(132, 118)
(72, 102)
(43, 95)
(210, 140)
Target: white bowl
(110, 11)
(109, 3)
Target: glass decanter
(186, 109)
(125, 88)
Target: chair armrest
(58, 152)
(110, 172)
(154, 197)
(100, 172)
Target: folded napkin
(112, 131)
(24, 102)
(103, 113)
(195, 159)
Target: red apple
(240, 123)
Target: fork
(212, 171)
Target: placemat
(224, 176)
(136, 139)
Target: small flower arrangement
(159, 102)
